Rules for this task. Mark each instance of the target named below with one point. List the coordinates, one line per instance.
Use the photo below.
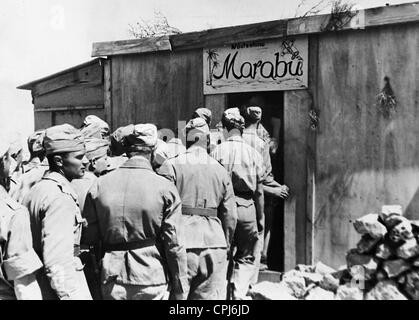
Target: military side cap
(119, 139)
(96, 148)
(203, 113)
(232, 116)
(253, 112)
(63, 138)
(35, 141)
(143, 135)
(199, 125)
(96, 122)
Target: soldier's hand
(283, 191)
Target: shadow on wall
(348, 196)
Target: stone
(369, 224)
(415, 262)
(304, 268)
(349, 292)
(312, 277)
(368, 262)
(329, 283)
(409, 249)
(367, 243)
(323, 269)
(385, 290)
(270, 291)
(295, 282)
(269, 275)
(383, 251)
(394, 268)
(381, 275)
(402, 231)
(412, 284)
(390, 215)
(320, 294)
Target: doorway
(272, 105)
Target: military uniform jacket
(203, 183)
(56, 230)
(134, 205)
(243, 163)
(18, 259)
(251, 137)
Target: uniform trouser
(207, 273)
(245, 243)
(113, 290)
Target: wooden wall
(68, 105)
(156, 87)
(364, 160)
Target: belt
(76, 250)
(244, 195)
(129, 245)
(206, 212)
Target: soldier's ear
(58, 160)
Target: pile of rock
(383, 266)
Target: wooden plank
(373, 17)
(311, 150)
(364, 160)
(131, 46)
(74, 95)
(91, 75)
(75, 117)
(69, 108)
(107, 92)
(296, 108)
(151, 88)
(228, 35)
(42, 120)
(30, 85)
(217, 103)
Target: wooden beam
(311, 150)
(30, 85)
(373, 17)
(89, 75)
(107, 91)
(228, 35)
(68, 108)
(131, 46)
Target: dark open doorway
(272, 104)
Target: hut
(339, 91)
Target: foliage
(156, 28)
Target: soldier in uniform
(56, 220)
(134, 215)
(209, 214)
(272, 189)
(18, 260)
(245, 167)
(34, 169)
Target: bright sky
(41, 37)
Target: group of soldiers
(126, 215)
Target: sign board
(279, 64)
